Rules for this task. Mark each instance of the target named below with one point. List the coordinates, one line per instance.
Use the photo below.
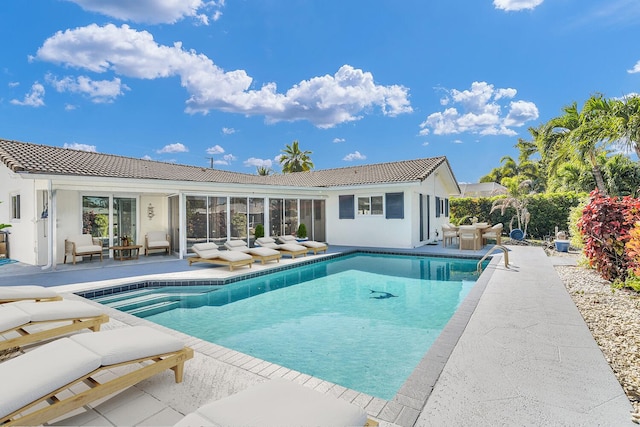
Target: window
(370, 205)
(15, 206)
(446, 207)
(346, 208)
(395, 205)
(438, 207)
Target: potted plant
(302, 232)
(259, 231)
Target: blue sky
(355, 82)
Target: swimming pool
(363, 321)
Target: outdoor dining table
(476, 229)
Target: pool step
(142, 301)
(149, 310)
(108, 299)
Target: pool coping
(402, 410)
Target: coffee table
(126, 252)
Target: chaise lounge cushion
(26, 292)
(121, 345)
(267, 242)
(312, 244)
(206, 250)
(241, 246)
(277, 402)
(48, 368)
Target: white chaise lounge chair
(27, 292)
(28, 322)
(45, 374)
(209, 252)
(277, 403)
(259, 254)
(291, 249)
(311, 244)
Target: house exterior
(49, 193)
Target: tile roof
(48, 160)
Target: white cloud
(521, 112)
(354, 156)
(216, 149)
(424, 144)
(226, 160)
(35, 98)
(510, 5)
(69, 107)
(254, 162)
(146, 157)
(14, 84)
(338, 140)
(178, 147)
(635, 69)
(81, 147)
(100, 91)
(152, 11)
(325, 101)
(480, 113)
(228, 131)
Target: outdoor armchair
(82, 245)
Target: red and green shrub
(607, 225)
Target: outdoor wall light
(150, 212)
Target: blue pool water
(362, 321)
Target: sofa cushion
(81, 240)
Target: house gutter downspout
(51, 213)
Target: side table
(126, 252)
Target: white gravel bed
(613, 316)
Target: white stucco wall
(369, 230)
(22, 240)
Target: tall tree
(626, 113)
(579, 135)
(295, 160)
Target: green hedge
(547, 211)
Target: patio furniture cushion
(39, 372)
(11, 317)
(27, 292)
(267, 242)
(120, 345)
(311, 244)
(206, 250)
(233, 244)
(234, 256)
(57, 310)
(28, 322)
(277, 402)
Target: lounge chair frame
(63, 405)
(26, 337)
(36, 299)
(220, 261)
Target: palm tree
(294, 160)
(579, 135)
(263, 170)
(626, 129)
